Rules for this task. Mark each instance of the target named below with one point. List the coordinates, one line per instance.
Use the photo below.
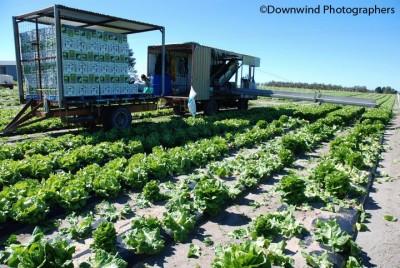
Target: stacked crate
(95, 63)
(44, 83)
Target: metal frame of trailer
(97, 108)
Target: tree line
(385, 90)
(320, 86)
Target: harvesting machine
(220, 78)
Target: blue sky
(337, 49)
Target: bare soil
(381, 242)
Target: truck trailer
(74, 64)
(210, 72)
(6, 81)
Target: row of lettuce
(209, 195)
(342, 174)
(206, 194)
(258, 249)
(6, 115)
(339, 180)
(70, 153)
(386, 101)
(55, 123)
(30, 200)
(167, 133)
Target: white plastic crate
(78, 44)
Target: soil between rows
(381, 242)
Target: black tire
(178, 110)
(211, 107)
(90, 125)
(243, 104)
(120, 118)
(106, 119)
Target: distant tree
(389, 90)
(318, 86)
(132, 63)
(359, 88)
(385, 90)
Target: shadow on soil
(371, 204)
(366, 260)
(231, 219)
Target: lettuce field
(277, 185)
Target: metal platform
(315, 97)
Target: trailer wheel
(211, 107)
(178, 110)
(89, 125)
(118, 118)
(243, 104)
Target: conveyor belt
(225, 73)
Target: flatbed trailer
(112, 109)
